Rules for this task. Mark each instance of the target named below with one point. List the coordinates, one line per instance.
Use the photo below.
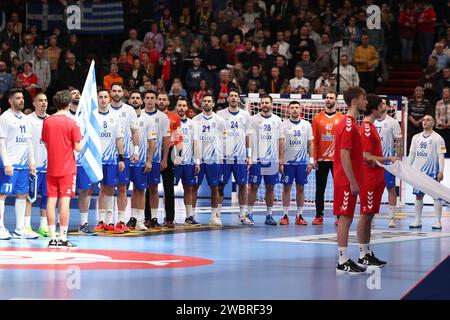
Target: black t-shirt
(418, 109)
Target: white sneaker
(437, 225)
(246, 221)
(392, 223)
(416, 224)
(4, 234)
(140, 226)
(24, 234)
(215, 220)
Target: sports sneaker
(317, 221)
(215, 220)
(190, 221)
(436, 225)
(299, 221)
(111, 228)
(4, 234)
(122, 227)
(270, 221)
(369, 261)
(284, 221)
(250, 217)
(154, 223)
(66, 245)
(132, 223)
(140, 226)
(375, 259)
(24, 234)
(350, 267)
(416, 225)
(392, 223)
(43, 232)
(246, 221)
(100, 227)
(169, 224)
(52, 244)
(86, 230)
(31, 231)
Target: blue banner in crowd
(45, 16)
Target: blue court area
(260, 262)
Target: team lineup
(143, 142)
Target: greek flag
(101, 17)
(44, 16)
(91, 153)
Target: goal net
(312, 105)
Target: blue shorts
(124, 176)
(294, 172)
(15, 184)
(213, 173)
(419, 193)
(389, 179)
(42, 188)
(154, 176)
(239, 172)
(139, 178)
(185, 173)
(83, 181)
(110, 173)
(256, 176)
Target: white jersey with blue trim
(426, 150)
(188, 133)
(71, 115)
(265, 133)
(296, 137)
(162, 126)
(238, 126)
(15, 130)
(128, 121)
(210, 131)
(35, 124)
(110, 130)
(147, 131)
(389, 130)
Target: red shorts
(58, 187)
(344, 202)
(370, 198)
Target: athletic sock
(193, 211)
(299, 211)
(109, 204)
(438, 210)
(242, 211)
(43, 222)
(363, 249)
(141, 215)
(154, 213)
(392, 211)
(2, 213)
(20, 213)
(27, 221)
(213, 212)
(188, 210)
(219, 210)
(121, 216)
(63, 233)
(102, 215)
(249, 210)
(134, 213)
(343, 257)
(285, 211)
(83, 218)
(269, 211)
(52, 229)
(418, 206)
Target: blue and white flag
(45, 16)
(101, 17)
(91, 153)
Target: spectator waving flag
(91, 154)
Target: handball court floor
(236, 262)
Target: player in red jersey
(373, 184)
(348, 176)
(61, 136)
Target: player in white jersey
(427, 155)
(84, 184)
(237, 156)
(35, 123)
(113, 162)
(267, 155)
(159, 158)
(208, 153)
(391, 142)
(298, 160)
(128, 121)
(17, 162)
(140, 169)
(185, 171)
